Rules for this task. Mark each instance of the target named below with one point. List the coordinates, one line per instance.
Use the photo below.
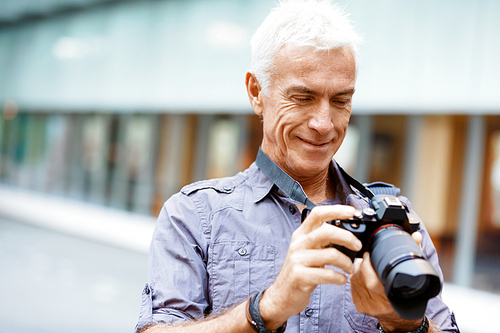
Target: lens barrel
(408, 278)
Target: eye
(302, 99)
(341, 102)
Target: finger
(327, 235)
(357, 264)
(370, 277)
(323, 257)
(316, 276)
(320, 214)
(417, 237)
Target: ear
(254, 92)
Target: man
(219, 242)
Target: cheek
(340, 127)
(279, 123)
(341, 122)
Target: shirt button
(292, 210)
(309, 312)
(242, 251)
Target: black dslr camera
(384, 230)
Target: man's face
(308, 108)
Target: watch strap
(254, 318)
(423, 328)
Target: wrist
(269, 307)
(409, 326)
(257, 322)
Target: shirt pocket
(239, 269)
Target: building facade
(121, 103)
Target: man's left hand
(369, 296)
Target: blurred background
(111, 106)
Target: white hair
(300, 23)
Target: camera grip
(346, 251)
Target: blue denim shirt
(219, 241)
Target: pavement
(84, 220)
(70, 266)
(56, 283)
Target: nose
(321, 119)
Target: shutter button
(242, 251)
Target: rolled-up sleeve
(177, 287)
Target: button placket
(310, 315)
(241, 274)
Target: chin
(311, 166)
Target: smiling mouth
(315, 143)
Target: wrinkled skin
(305, 117)
(306, 114)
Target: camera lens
(407, 286)
(408, 278)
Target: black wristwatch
(254, 318)
(423, 328)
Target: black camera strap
(356, 184)
(291, 187)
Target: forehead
(311, 66)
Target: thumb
(417, 237)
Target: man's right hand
(304, 266)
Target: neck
(319, 188)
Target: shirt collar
(262, 185)
(343, 189)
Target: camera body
(385, 211)
(384, 230)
